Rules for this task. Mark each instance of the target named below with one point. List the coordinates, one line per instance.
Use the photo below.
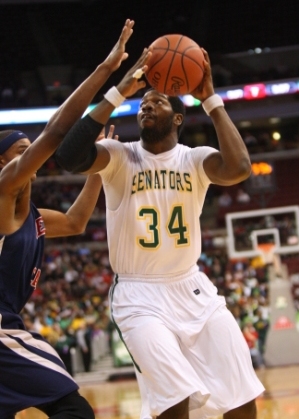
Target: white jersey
(153, 205)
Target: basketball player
(31, 372)
(186, 346)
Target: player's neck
(160, 147)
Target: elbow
(78, 224)
(242, 170)
(77, 229)
(75, 163)
(239, 173)
(81, 231)
(245, 169)
(62, 159)
(75, 223)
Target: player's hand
(118, 53)
(132, 82)
(206, 87)
(110, 134)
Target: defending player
(186, 345)
(31, 372)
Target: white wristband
(211, 103)
(114, 97)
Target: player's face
(155, 117)
(15, 150)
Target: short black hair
(178, 107)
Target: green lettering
(140, 181)
(157, 181)
(188, 181)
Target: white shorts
(184, 343)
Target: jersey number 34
(175, 227)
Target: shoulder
(7, 176)
(114, 147)
(201, 153)
(34, 210)
(117, 148)
(201, 150)
(110, 144)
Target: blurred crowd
(269, 140)
(244, 284)
(70, 305)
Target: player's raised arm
(75, 220)
(77, 153)
(232, 164)
(70, 111)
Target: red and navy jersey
(27, 360)
(21, 256)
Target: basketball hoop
(266, 251)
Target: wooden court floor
(120, 400)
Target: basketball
(176, 65)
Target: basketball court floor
(120, 399)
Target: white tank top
(153, 205)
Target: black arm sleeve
(77, 152)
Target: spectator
(225, 200)
(261, 325)
(7, 97)
(65, 341)
(251, 336)
(21, 96)
(84, 338)
(250, 141)
(242, 197)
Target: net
(267, 252)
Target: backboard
(247, 229)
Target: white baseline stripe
(25, 353)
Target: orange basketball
(176, 65)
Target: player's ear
(2, 162)
(178, 119)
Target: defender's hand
(118, 54)
(109, 135)
(130, 84)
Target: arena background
(47, 48)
